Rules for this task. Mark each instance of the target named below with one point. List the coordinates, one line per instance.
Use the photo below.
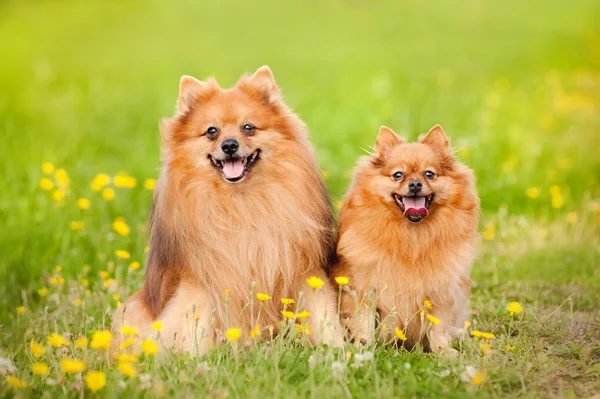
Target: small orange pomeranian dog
(239, 209)
(407, 238)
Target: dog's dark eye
(248, 128)
(429, 175)
(397, 176)
(212, 132)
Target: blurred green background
(84, 84)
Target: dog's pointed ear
(263, 80)
(386, 141)
(435, 138)
(191, 90)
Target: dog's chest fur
(403, 277)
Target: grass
(516, 86)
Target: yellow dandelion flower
(83, 203)
(555, 190)
(72, 366)
(149, 184)
(557, 201)
(254, 332)
(157, 325)
(227, 292)
(427, 304)
(62, 177)
(533, 192)
(47, 168)
(95, 380)
(288, 315)
(36, 349)
(127, 343)
(490, 231)
(123, 357)
(42, 292)
(481, 334)
(108, 283)
(303, 315)
(57, 280)
(58, 195)
(510, 347)
(127, 369)
(315, 282)
(81, 342)
(514, 308)
(307, 329)
(16, 383)
(101, 340)
(572, 217)
(119, 304)
(116, 297)
(341, 280)
(108, 194)
(46, 184)
(77, 302)
(197, 317)
(433, 319)
(77, 225)
(40, 369)
(21, 309)
(233, 334)
(134, 265)
(149, 347)
(103, 274)
(128, 330)
(384, 327)
(121, 227)
(287, 301)
(122, 254)
(262, 297)
(56, 340)
(478, 378)
(100, 181)
(124, 181)
(400, 334)
(300, 328)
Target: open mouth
(234, 168)
(414, 208)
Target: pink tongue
(233, 169)
(414, 206)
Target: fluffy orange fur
(266, 233)
(395, 264)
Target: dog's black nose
(414, 186)
(230, 146)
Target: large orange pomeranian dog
(407, 238)
(240, 208)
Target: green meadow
(516, 85)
